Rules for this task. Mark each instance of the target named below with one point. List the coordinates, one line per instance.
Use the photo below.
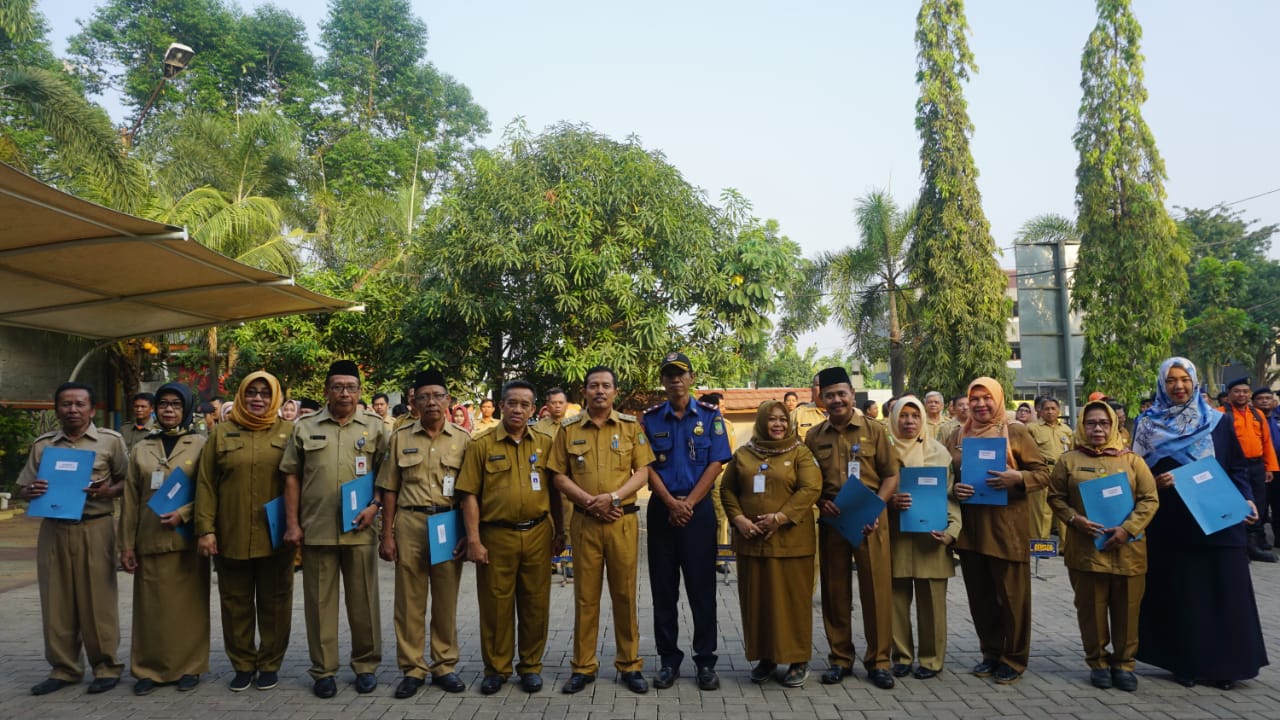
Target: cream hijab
(922, 450)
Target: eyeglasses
(252, 393)
(438, 397)
(344, 389)
(170, 404)
(1097, 423)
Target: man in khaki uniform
(417, 481)
(557, 410)
(144, 405)
(486, 421)
(1054, 438)
(600, 459)
(806, 417)
(934, 422)
(326, 449)
(512, 511)
(76, 559)
(852, 447)
(958, 412)
(382, 408)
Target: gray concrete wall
(33, 363)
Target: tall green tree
(1130, 279)
(865, 283)
(960, 320)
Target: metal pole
(85, 358)
(1064, 312)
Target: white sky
(805, 106)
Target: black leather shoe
(900, 670)
(923, 673)
(187, 683)
(1006, 675)
(449, 682)
(984, 668)
(267, 679)
(1261, 555)
(492, 684)
(44, 687)
(101, 685)
(835, 674)
(708, 679)
(577, 682)
(1264, 544)
(881, 678)
(1184, 681)
(366, 683)
(531, 682)
(797, 673)
(408, 687)
(325, 688)
(635, 682)
(666, 677)
(1223, 684)
(1100, 678)
(241, 681)
(763, 671)
(1124, 680)
(723, 568)
(144, 686)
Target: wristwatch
(617, 501)
(375, 503)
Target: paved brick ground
(1055, 685)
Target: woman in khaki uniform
(921, 561)
(239, 473)
(769, 490)
(1107, 582)
(170, 579)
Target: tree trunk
(897, 361)
(212, 337)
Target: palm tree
(865, 283)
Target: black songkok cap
(833, 376)
(344, 367)
(1242, 380)
(429, 377)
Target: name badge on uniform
(448, 485)
(157, 479)
(757, 483)
(536, 480)
(855, 469)
(362, 465)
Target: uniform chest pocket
(700, 449)
(662, 443)
(314, 443)
(581, 461)
(412, 469)
(622, 454)
(232, 445)
(824, 453)
(497, 469)
(452, 459)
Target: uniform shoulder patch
(708, 406)
(625, 417)
(653, 408)
(109, 432)
(571, 420)
(47, 436)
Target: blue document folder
(978, 456)
(443, 531)
(68, 472)
(1210, 495)
(177, 491)
(928, 489)
(356, 495)
(275, 520)
(858, 506)
(1108, 501)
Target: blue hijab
(1181, 432)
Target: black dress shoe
(44, 687)
(577, 682)
(366, 683)
(763, 671)
(409, 687)
(267, 679)
(449, 682)
(835, 674)
(1006, 675)
(708, 679)
(1124, 680)
(1184, 681)
(666, 677)
(101, 685)
(881, 678)
(635, 682)
(241, 681)
(531, 682)
(984, 668)
(923, 673)
(796, 674)
(900, 670)
(1261, 555)
(492, 684)
(145, 686)
(325, 688)
(1223, 684)
(1100, 678)
(187, 683)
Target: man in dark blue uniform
(691, 444)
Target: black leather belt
(626, 509)
(427, 509)
(86, 518)
(521, 526)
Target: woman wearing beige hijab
(994, 539)
(921, 561)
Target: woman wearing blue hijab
(1199, 619)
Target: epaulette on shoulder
(47, 436)
(652, 408)
(109, 431)
(708, 406)
(570, 420)
(626, 417)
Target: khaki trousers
(1102, 596)
(599, 545)
(256, 593)
(931, 617)
(874, 590)
(1039, 512)
(76, 572)
(514, 587)
(357, 565)
(1000, 603)
(415, 578)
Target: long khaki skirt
(776, 595)
(170, 616)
